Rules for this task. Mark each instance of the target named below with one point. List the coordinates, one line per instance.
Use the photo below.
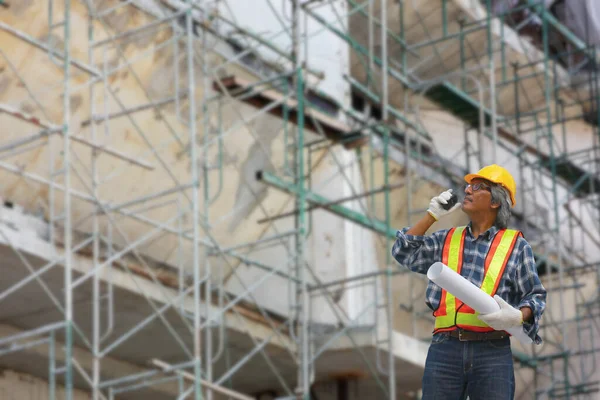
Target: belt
(463, 335)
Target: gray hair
(502, 197)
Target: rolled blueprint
(469, 294)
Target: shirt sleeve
(531, 291)
(416, 252)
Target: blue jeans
(478, 369)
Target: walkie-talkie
(451, 202)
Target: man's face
(478, 197)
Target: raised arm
(422, 225)
(415, 251)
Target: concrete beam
(141, 285)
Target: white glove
(505, 318)
(435, 206)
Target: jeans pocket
(439, 338)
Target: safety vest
(451, 312)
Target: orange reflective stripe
(451, 312)
(452, 257)
(446, 250)
(441, 310)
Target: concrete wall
(326, 52)
(335, 249)
(256, 145)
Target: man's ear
(495, 205)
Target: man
(470, 353)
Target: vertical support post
(195, 200)
(286, 128)
(516, 89)
(407, 153)
(522, 185)
(303, 387)
(384, 118)
(110, 289)
(370, 86)
(463, 79)
(181, 271)
(595, 103)
(502, 49)
(96, 295)
(68, 239)
(372, 170)
(402, 37)
(52, 367)
(556, 231)
(467, 147)
(208, 334)
(305, 373)
(492, 80)
(386, 177)
(407, 163)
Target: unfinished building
(199, 197)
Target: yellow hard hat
(497, 174)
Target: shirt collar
(490, 233)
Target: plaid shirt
(520, 285)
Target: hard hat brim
(469, 178)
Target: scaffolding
(119, 230)
(212, 83)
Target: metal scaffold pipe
(68, 234)
(391, 370)
(304, 367)
(195, 206)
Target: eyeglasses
(478, 186)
